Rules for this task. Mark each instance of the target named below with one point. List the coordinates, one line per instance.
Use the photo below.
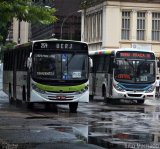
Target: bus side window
(106, 63)
(100, 63)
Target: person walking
(157, 86)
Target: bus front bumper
(134, 95)
(59, 97)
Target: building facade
(68, 25)
(120, 23)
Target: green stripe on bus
(60, 88)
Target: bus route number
(44, 45)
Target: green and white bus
(123, 74)
(47, 71)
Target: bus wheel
(73, 107)
(140, 101)
(91, 97)
(10, 94)
(30, 105)
(23, 93)
(106, 99)
(18, 102)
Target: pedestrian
(157, 86)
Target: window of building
(156, 26)
(93, 27)
(140, 25)
(125, 25)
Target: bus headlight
(150, 89)
(37, 89)
(84, 89)
(118, 88)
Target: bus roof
(43, 40)
(54, 39)
(112, 51)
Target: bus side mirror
(158, 64)
(29, 63)
(90, 63)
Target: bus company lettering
(45, 56)
(45, 73)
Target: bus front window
(60, 66)
(74, 66)
(135, 71)
(44, 66)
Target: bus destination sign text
(135, 55)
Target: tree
(23, 10)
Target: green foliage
(23, 10)
(8, 45)
(26, 10)
(1, 38)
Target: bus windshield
(64, 66)
(135, 71)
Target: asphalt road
(96, 125)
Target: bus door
(110, 76)
(107, 75)
(14, 75)
(91, 79)
(109, 85)
(100, 75)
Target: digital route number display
(60, 45)
(135, 55)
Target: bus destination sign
(135, 55)
(59, 45)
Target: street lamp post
(61, 35)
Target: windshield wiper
(138, 67)
(70, 58)
(129, 63)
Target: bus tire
(18, 102)
(106, 99)
(91, 97)
(73, 107)
(140, 101)
(24, 93)
(30, 105)
(10, 95)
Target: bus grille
(60, 98)
(137, 90)
(135, 95)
